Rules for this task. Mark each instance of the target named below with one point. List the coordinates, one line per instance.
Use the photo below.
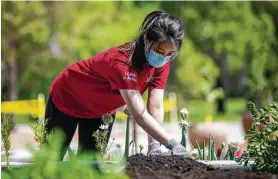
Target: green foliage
(195, 71)
(25, 35)
(7, 120)
(46, 165)
(78, 30)
(232, 148)
(242, 32)
(100, 135)
(91, 31)
(235, 108)
(263, 147)
(39, 75)
(226, 30)
(39, 129)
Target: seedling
(232, 148)
(129, 117)
(202, 154)
(101, 135)
(6, 129)
(184, 125)
(39, 129)
(141, 147)
(204, 146)
(199, 150)
(210, 152)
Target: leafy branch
(101, 135)
(39, 129)
(263, 145)
(6, 129)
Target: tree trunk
(12, 73)
(223, 82)
(220, 101)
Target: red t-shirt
(90, 88)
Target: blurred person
(118, 76)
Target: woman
(86, 90)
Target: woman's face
(164, 48)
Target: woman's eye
(170, 54)
(160, 52)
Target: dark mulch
(174, 167)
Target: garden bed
(143, 167)
(172, 167)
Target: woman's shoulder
(124, 50)
(121, 54)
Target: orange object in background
(201, 132)
(247, 122)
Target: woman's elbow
(155, 108)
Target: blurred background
(229, 55)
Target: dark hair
(158, 27)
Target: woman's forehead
(165, 45)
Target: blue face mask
(156, 60)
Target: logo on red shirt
(129, 76)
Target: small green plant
(101, 135)
(45, 165)
(206, 153)
(211, 149)
(40, 132)
(263, 147)
(127, 144)
(232, 148)
(141, 147)
(199, 150)
(209, 153)
(183, 123)
(6, 129)
(204, 147)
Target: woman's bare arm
(138, 110)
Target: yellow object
(35, 107)
(169, 105)
(208, 118)
(120, 115)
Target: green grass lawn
(198, 110)
(25, 119)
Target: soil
(176, 167)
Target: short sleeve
(161, 76)
(122, 76)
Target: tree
(226, 31)
(36, 35)
(24, 33)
